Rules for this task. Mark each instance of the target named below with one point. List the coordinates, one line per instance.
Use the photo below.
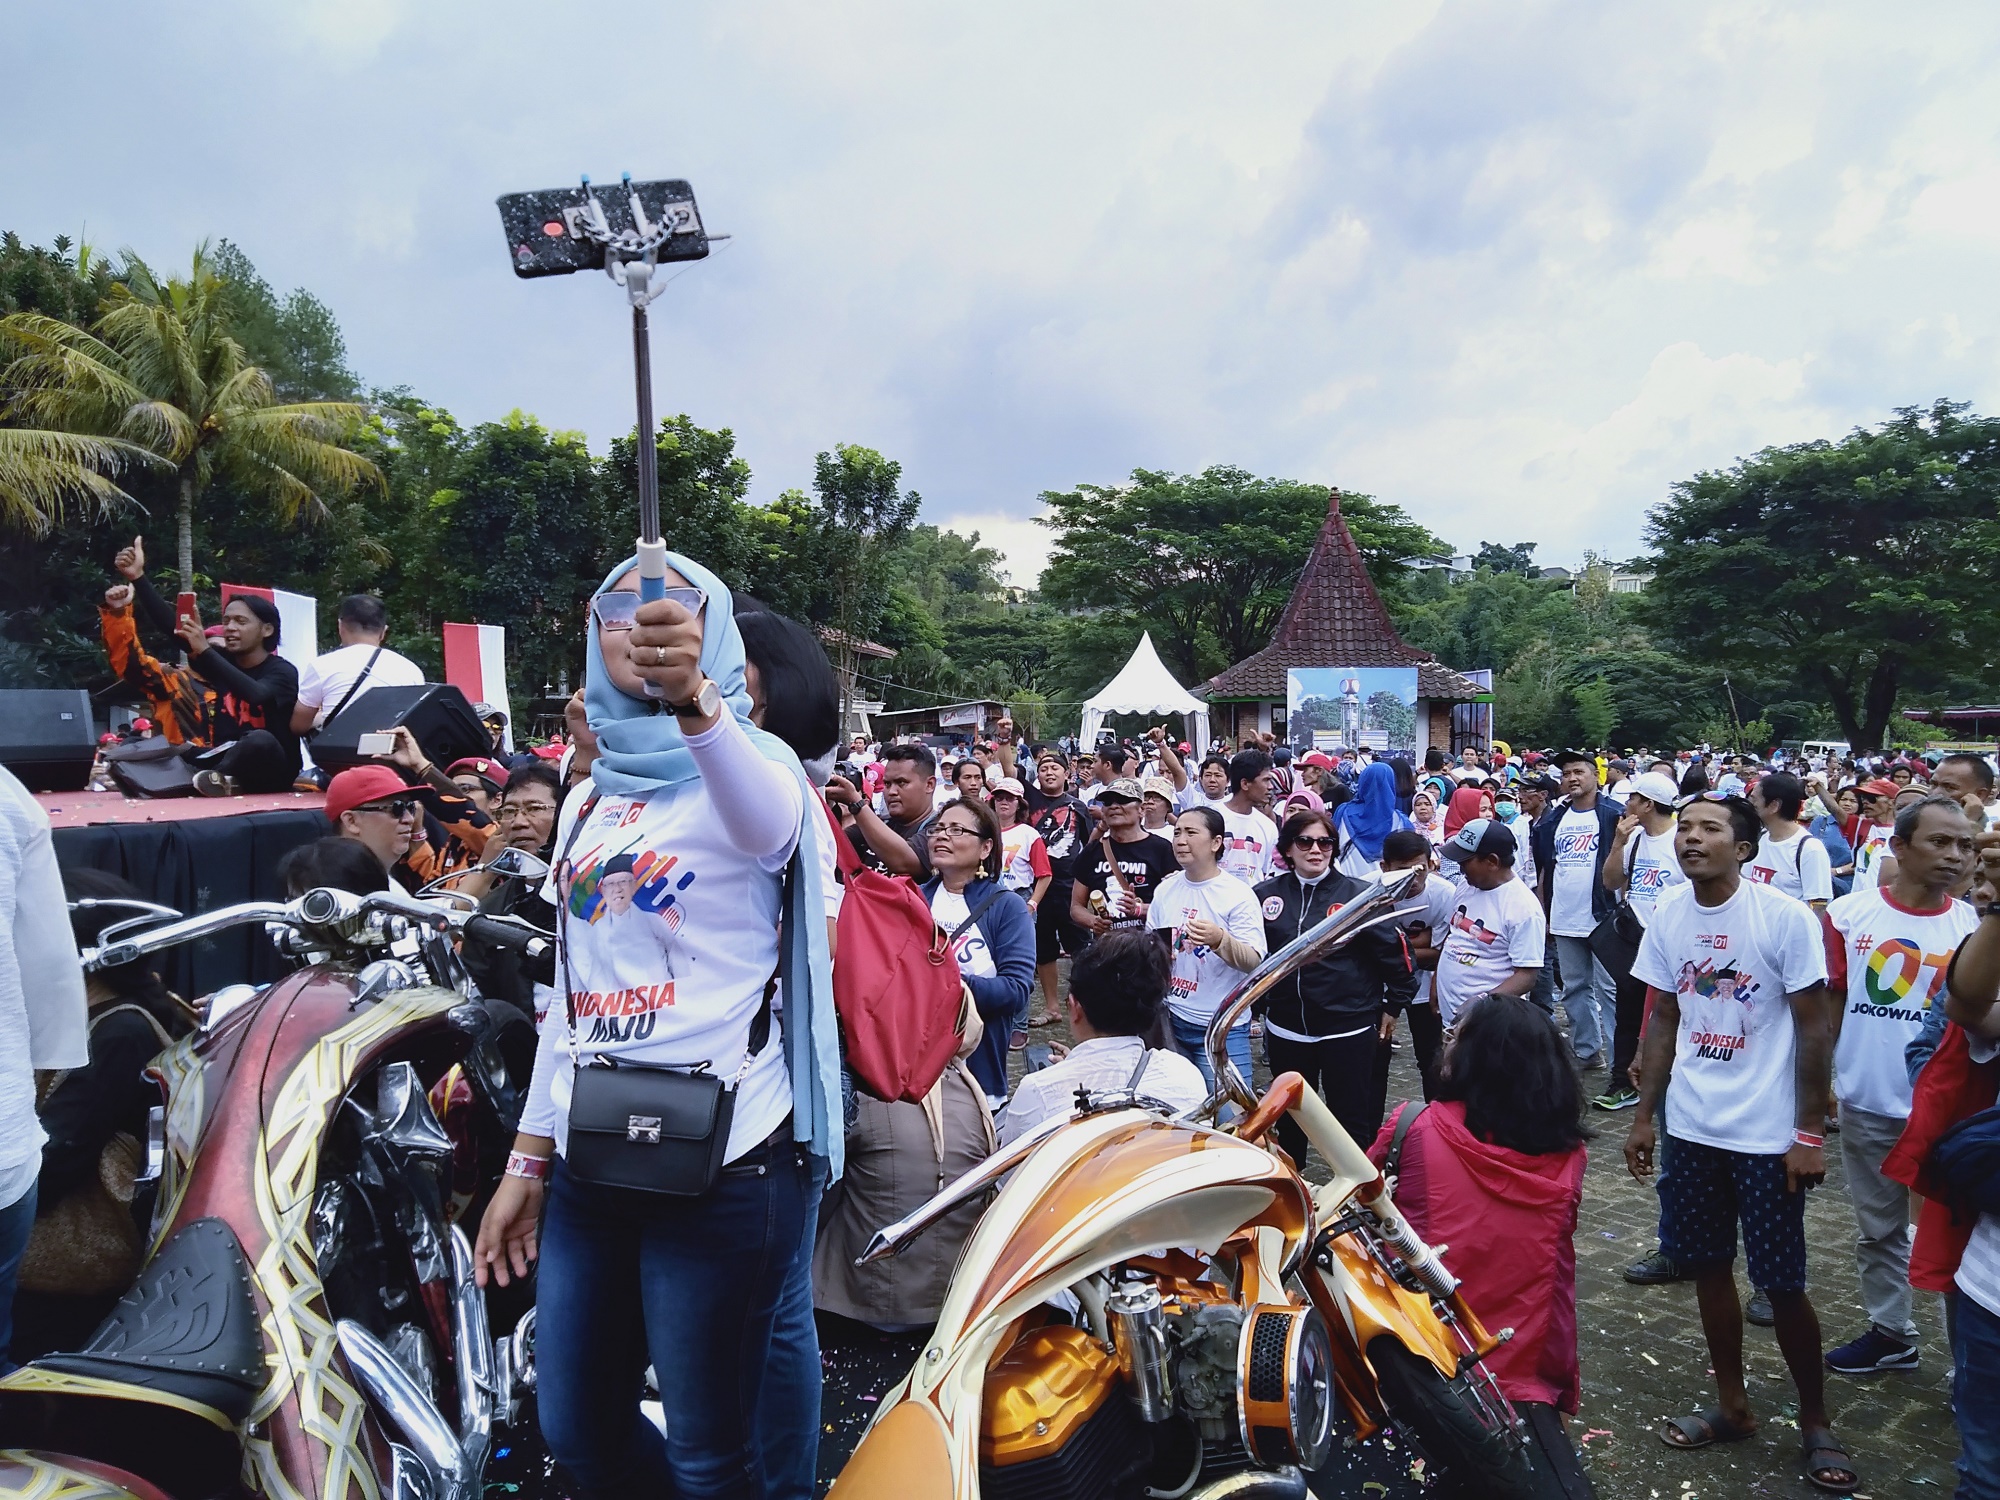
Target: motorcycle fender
(39, 1476)
(1371, 1303)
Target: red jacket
(1509, 1221)
(1950, 1087)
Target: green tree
(1865, 565)
(862, 519)
(1519, 558)
(159, 378)
(1206, 561)
(1388, 712)
(297, 340)
(1596, 712)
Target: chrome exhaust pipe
(1256, 1484)
(389, 1385)
(472, 1341)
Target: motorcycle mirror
(518, 864)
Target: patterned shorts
(1705, 1192)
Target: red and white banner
(298, 620)
(475, 662)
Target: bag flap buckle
(643, 1130)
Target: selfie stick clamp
(630, 258)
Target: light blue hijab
(640, 750)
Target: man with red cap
(376, 808)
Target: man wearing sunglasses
(377, 809)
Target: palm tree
(157, 381)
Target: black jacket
(1350, 987)
(1543, 837)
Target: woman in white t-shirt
(1641, 866)
(1216, 936)
(697, 814)
(1024, 857)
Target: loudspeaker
(435, 712)
(47, 737)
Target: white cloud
(1472, 257)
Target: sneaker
(1758, 1309)
(1655, 1270)
(1870, 1354)
(1620, 1098)
(214, 784)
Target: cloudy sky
(1514, 266)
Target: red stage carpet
(81, 809)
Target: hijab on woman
(1371, 816)
(641, 750)
(1467, 803)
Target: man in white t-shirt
(1974, 987)
(1896, 943)
(1249, 836)
(1736, 1066)
(1495, 938)
(1571, 841)
(1788, 856)
(360, 663)
(1640, 866)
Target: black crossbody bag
(345, 698)
(644, 1126)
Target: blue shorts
(1705, 1192)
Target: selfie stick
(630, 258)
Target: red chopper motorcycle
(305, 1317)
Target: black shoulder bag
(1614, 941)
(644, 1126)
(345, 698)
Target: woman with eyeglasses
(1326, 1021)
(995, 946)
(691, 817)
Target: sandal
(1823, 1455)
(1703, 1428)
(1047, 1018)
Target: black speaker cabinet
(47, 737)
(435, 712)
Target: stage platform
(194, 854)
(82, 809)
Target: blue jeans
(697, 1285)
(1188, 1036)
(789, 1406)
(1975, 1398)
(17, 1222)
(1590, 998)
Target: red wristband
(520, 1164)
(1806, 1138)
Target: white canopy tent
(1145, 686)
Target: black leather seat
(188, 1328)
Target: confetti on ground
(1649, 1358)
(1596, 1432)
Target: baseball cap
(1881, 786)
(1318, 758)
(1656, 786)
(1158, 786)
(483, 766)
(1570, 757)
(489, 711)
(1050, 752)
(1480, 836)
(1011, 785)
(362, 784)
(1124, 789)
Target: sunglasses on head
(616, 608)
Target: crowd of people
(1743, 953)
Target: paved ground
(1643, 1361)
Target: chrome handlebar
(1340, 927)
(338, 915)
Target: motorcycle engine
(1190, 1390)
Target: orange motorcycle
(1162, 1305)
(305, 1325)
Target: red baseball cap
(1881, 786)
(482, 766)
(360, 785)
(1318, 758)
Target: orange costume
(179, 700)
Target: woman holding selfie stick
(672, 1250)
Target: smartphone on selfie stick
(626, 235)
